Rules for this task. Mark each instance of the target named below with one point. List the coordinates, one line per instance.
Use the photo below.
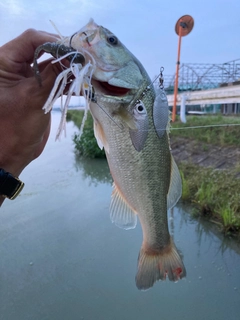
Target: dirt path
(204, 154)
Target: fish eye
(140, 108)
(112, 40)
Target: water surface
(62, 258)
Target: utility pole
(183, 27)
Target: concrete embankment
(203, 154)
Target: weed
(231, 223)
(86, 145)
(228, 216)
(205, 197)
(216, 194)
(185, 187)
(222, 136)
(205, 147)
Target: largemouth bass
(131, 121)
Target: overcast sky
(146, 27)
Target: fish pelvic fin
(100, 136)
(120, 211)
(157, 265)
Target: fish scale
(158, 182)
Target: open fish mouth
(110, 90)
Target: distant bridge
(203, 85)
(197, 76)
(222, 95)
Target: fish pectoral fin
(120, 212)
(100, 136)
(175, 188)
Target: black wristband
(10, 186)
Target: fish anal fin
(158, 265)
(100, 136)
(175, 187)
(121, 212)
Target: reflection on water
(204, 228)
(62, 258)
(96, 173)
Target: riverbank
(209, 162)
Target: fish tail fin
(156, 265)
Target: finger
(49, 75)
(50, 33)
(41, 93)
(45, 137)
(60, 65)
(22, 48)
(43, 64)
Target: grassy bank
(225, 134)
(85, 146)
(214, 193)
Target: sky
(146, 28)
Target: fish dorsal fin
(120, 212)
(100, 136)
(175, 188)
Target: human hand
(24, 128)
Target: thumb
(47, 77)
(37, 92)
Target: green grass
(223, 136)
(215, 193)
(76, 116)
(85, 146)
(185, 187)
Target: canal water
(62, 259)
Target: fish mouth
(108, 89)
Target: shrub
(86, 145)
